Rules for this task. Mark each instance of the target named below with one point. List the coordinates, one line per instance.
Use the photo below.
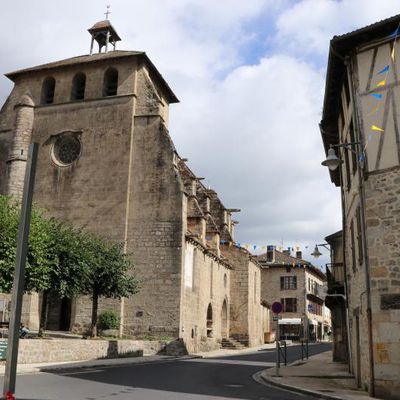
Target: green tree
(110, 274)
(40, 256)
(68, 276)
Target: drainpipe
(349, 66)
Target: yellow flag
(393, 51)
(376, 128)
(381, 83)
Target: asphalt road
(212, 378)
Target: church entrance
(59, 314)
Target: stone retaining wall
(49, 350)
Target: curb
(116, 364)
(313, 393)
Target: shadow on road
(231, 380)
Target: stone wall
(383, 235)
(206, 283)
(246, 311)
(53, 350)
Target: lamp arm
(347, 146)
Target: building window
(359, 236)
(353, 247)
(352, 140)
(289, 304)
(110, 86)
(347, 167)
(209, 320)
(78, 86)
(288, 282)
(225, 280)
(48, 89)
(66, 150)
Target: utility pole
(19, 274)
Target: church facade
(107, 164)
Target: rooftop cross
(107, 12)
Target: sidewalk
(107, 362)
(227, 352)
(319, 377)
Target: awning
(290, 321)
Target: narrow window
(110, 86)
(352, 140)
(347, 167)
(359, 237)
(48, 88)
(209, 321)
(78, 86)
(353, 247)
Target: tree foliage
(64, 261)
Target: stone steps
(231, 344)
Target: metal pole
(19, 274)
(277, 347)
(285, 352)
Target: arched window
(48, 87)
(110, 86)
(224, 320)
(209, 320)
(78, 86)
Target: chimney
(270, 253)
(299, 254)
(286, 252)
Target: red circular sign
(277, 307)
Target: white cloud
(250, 129)
(306, 28)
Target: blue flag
(376, 95)
(384, 70)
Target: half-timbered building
(360, 123)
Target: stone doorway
(224, 320)
(59, 313)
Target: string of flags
(256, 247)
(380, 85)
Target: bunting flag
(393, 51)
(376, 128)
(381, 83)
(377, 95)
(394, 34)
(383, 70)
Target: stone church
(108, 165)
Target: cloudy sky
(250, 78)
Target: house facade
(296, 284)
(360, 121)
(107, 164)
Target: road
(220, 378)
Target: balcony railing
(335, 277)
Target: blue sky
(250, 77)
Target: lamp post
(19, 274)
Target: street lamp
(316, 253)
(332, 161)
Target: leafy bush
(108, 320)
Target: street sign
(3, 349)
(277, 307)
